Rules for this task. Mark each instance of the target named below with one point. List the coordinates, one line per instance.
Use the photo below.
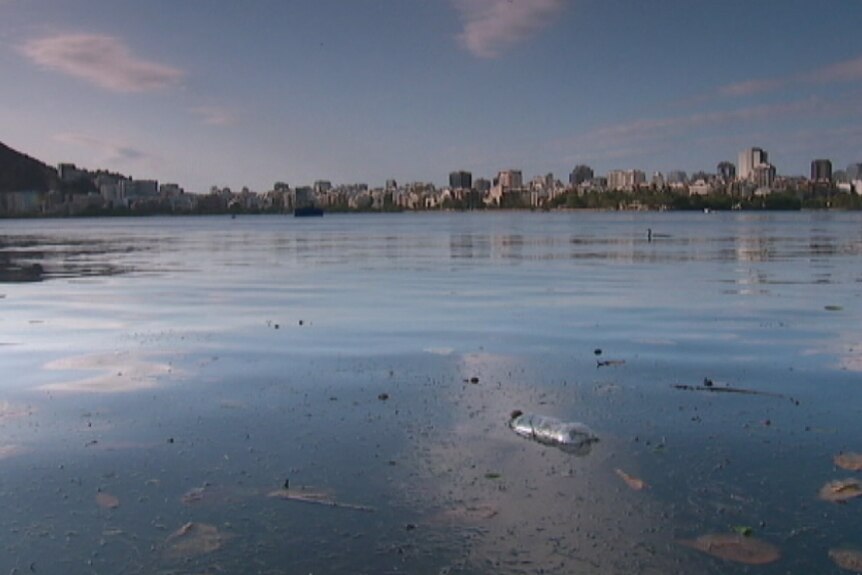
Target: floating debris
(305, 495)
(848, 559)
(709, 386)
(467, 514)
(571, 437)
(735, 547)
(194, 539)
(633, 482)
(383, 396)
(841, 490)
(610, 363)
(849, 461)
(107, 501)
(833, 308)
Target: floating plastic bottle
(571, 437)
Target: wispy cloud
(838, 73)
(643, 136)
(490, 26)
(104, 61)
(106, 151)
(215, 115)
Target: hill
(20, 172)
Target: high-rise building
(750, 159)
(510, 179)
(726, 171)
(580, 174)
(821, 171)
(460, 180)
(854, 171)
(676, 177)
(627, 180)
(763, 175)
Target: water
(148, 359)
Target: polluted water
(690, 405)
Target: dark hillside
(19, 172)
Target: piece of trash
(474, 380)
(833, 308)
(305, 495)
(735, 547)
(848, 559)
(383, 396)
(633, 482)
(107, 501)
(841, 490)
(492, 475)
(571, 437)
(849, 461)
(194, 539)
(743, 530)
(610, 363)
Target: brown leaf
(106, 500)
(849, 461)
(735, 547)
(841, 490)
(633, 482)
(848, 559)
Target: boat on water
(307, 211)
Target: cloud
(215, 115)
(838, 73)
(646, 135)
(490, 26)
(108, 151)
(101, 60)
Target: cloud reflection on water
(119, 373)
(519, 505)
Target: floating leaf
(107, 501)
(633, 482)
(735, 547)
(849, 461)
(194, 539)
(848, 559)
(743, 530)
(841, 490)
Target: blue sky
(208, 92)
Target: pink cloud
(490, 26)
(101, 60)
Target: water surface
(217, 358)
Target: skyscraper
(460, 180)
(750, 159)
(726, 171)
(580, 175)
(821, 171)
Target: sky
(226, 93)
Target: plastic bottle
(572, 437)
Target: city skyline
(219, 94)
